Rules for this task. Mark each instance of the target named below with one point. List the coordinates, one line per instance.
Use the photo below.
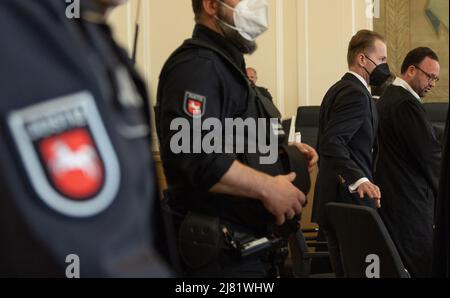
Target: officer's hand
(372, 191)
(282, 198)
(310, 153)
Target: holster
(200, 240)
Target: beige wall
(406, 26)
(298, 59)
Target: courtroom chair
(308, 255)
(361, 233)
(308, 124)
(437, 113)
(287, 126)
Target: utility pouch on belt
(200, 240)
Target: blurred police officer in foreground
(224, 200)
(74, 201)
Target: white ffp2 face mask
(251, 18)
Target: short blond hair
(363, 41)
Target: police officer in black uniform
(224, 200)
(77, 180)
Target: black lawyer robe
(407, 174)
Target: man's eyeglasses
(431, 78)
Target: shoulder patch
(67, 154)
(194, 104)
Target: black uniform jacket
(199, 80)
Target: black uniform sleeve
(195, 75)
(347, 118)
(418, 135)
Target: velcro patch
(67, 154)
(194, 104)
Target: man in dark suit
(347, 136)
(253, 77)
(409, 161)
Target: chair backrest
(287, 126)
(437, 112)
(361, 234)
(308, 124)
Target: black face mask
(379, 75)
